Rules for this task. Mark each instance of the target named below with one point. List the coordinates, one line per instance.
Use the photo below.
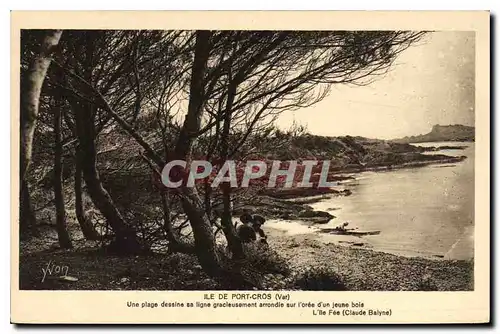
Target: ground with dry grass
(291, 263)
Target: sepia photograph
(247, 159)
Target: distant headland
(439, 133)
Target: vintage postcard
(250, 167)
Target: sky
(430, 83)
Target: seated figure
(247, 232)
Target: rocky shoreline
(360, 268)
(293, 203)
(439, 159)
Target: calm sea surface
(426, 211)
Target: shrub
(319, 279)
(426, 283)
(259, 257)
(258, 264)
(259, 260)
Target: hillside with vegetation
(348, 153)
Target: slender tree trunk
(207, 199)
(192, 121)
(62, 233)
(31, 86)
(27, 219)
(234, 243)
(88, 230)
(191, 202)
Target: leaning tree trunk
(205, 246)
(126, 238)
(192, 204)
(174, 243)
(31, 87)
(30, 95)
(126, 241)
(62, 232)
(84, 221)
